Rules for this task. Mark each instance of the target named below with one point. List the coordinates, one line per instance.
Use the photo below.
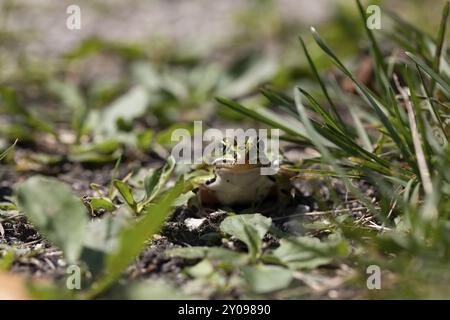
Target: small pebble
(193, 224)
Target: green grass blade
(433, 75)
(7, 151)
(321, 111)
(316, 139)
(281, 100)
(342, 141)
(361, 131)
(406, 26)
(380, 66)
(424, 172)
(440, 43)
(419, 115)
(340, 125)
(417, 39)
(365, 92)
(434, 110)
(273, 122)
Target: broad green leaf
(102, 234)
(154, 182)
(164, 137)
(105, 151)
(72, 97)
(102, 203)
(259, 71)
(249, 228)
(101, 238)
(131, 105)
(189, 252)
(203, 269)
(152, 289)
(31, 117)
(104, 147)
(133, 239)
(58, 214)
(183, 199)
(126, 192)
(212, 253)
(267, 278)
(308, 253)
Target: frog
(236, 175)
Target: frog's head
(242, 153)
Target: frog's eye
(260, 145)
(235, 143)
(224, 147)
(208, 182)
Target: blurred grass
(105, 100)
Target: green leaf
(259, 71)
(151, 289)
(101, 238)
(126, 108)
(154, 182)
(105, 151)
(59, 215)
(102, 203)
(308, 253)
(212, 253)
(203, 269)
(126, 192)
(266, 278)
(29, 116)
(189, 252)
(249, 228)
(133, 239)
(102, 234)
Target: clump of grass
(403, 149)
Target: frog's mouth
(233, 165)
